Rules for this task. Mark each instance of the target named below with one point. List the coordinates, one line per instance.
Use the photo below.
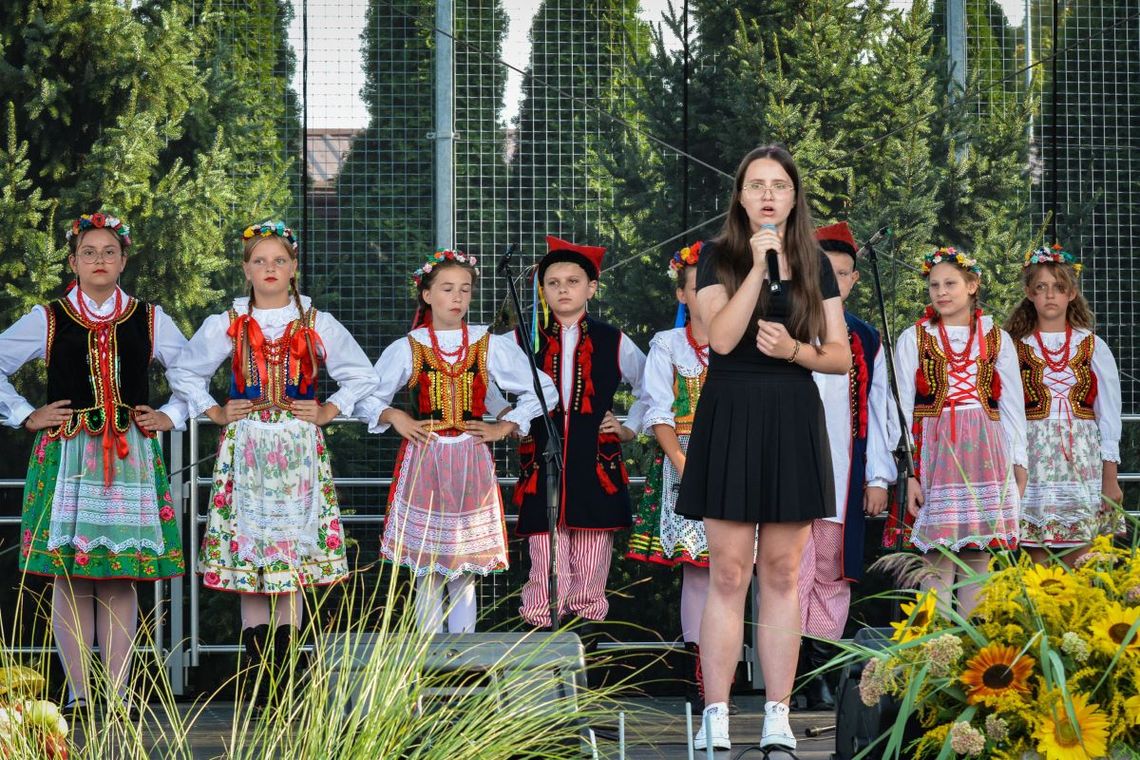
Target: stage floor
(655, 730)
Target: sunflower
(1132, 710)
(1045, 585)
(919, 614)
(1058, 738)
(1110, 631)
(996, 671)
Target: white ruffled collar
(681, 353)
(272, 317)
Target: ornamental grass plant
(392, 703)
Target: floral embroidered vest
(1038, 397)
(932, 384)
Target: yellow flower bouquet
(1046, 668)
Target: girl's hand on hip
(49, 415)
(152, 421)
(311, 410)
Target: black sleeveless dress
(759, 451)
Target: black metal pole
(306, 267)
(685, 118)
(902, 445)
(1054, 178)
(553, 452)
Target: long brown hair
(423, 308)
(1022, 320)
(806, 321)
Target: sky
(336, 77)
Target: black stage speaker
(536, 667)
(856, 725)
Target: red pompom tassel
(478, 395)
(424, 396)
(920, 383)
(995, 387)
(586, 364)
(1090, 397)
(604, 479)
(524, 487)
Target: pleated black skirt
(759, 451)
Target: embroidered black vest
(593, 491)
(73, 364)
(1038, 397)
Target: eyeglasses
(1057, 288)
(90, 257)
(757, 189)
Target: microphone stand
(902, 451)
(552, 455)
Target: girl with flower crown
(98, 515)
(961, 396)
(445, 518)
(1072, 402)
(674, 374)
(273, 524)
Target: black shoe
(254, 675)
(819, 692)
(77, 709)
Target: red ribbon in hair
(241, 328)
(307, 350)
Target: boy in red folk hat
(588, 360)
(861, 426)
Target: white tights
(462, 607)
(84, 610)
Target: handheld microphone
(505, 261)
(774, 286)
(874, 240)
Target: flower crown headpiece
(101, 221)
(270, 227)
(440, 256)
(686, 257)
(1054, 254)
(949, 255)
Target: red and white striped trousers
(825, 597)
(583, 567)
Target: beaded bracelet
(795, 353)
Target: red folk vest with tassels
(1039, 397)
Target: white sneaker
(777, 731)
(716, 716)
